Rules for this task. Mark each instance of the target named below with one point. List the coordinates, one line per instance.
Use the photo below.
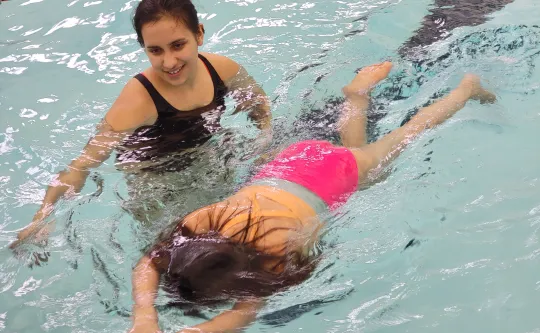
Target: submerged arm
(251, 98)
(71, 180)
(235, 320)
(129, 111)
(248, 95)
(145, 287)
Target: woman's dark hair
(209, 268)
(150, 11)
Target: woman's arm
(250, 97)
(248, 94)
(72, 179)
(231, 321)
(128, 112)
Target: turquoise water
(467, 191)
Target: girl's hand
(145, 327)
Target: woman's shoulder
(225, 66)
(132, 108)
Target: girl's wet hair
(151, 11)
(209, 268)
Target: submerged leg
(374, 157)
(352, 123)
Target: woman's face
(172, 49)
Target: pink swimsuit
(326, 170)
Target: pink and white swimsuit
(328, 171)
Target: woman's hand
(38, 228)
(36, 235)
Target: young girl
(259, 240)
(167, 110)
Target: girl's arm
(145, 282)
(235, 320)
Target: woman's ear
(200, 35)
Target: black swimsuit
(174, 130)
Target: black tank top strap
(160, 102)
(220, 90)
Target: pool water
(465, 196)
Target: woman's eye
(178, 46)
(154, 51)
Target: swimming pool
(466, 192)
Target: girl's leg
(376, 156)
(352, 122)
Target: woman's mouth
(175, 72)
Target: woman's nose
(169, 61)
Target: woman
(259, 239)
(166, 111)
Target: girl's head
(209, 268)
(170, 33)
